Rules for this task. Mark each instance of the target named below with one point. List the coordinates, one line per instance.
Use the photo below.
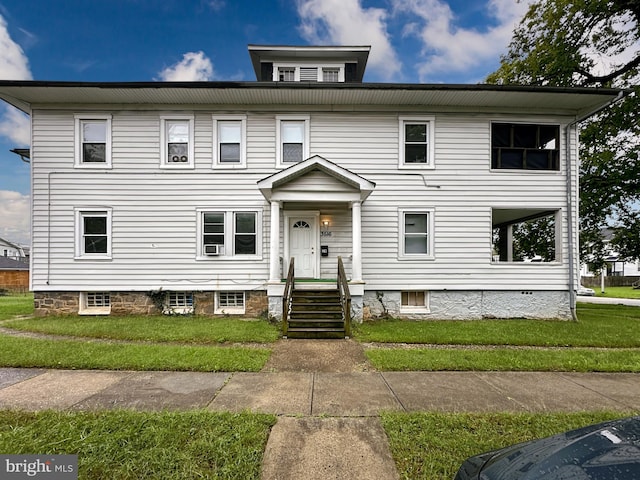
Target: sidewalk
(633, 302)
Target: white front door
(302, 245)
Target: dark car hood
(605, 451)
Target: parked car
(588, 292)
(606, 451)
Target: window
(526, 235)
(292, 140)
(287, 74)
(330, 74)
(176, 142)
(95, 303)
(229, 140)
(230, 302)
(414, 301)
(228, 234)
(417, 142)
(93, 234)
(178, 303)
(93, 141)
(525, 146)
(416, 238)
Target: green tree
(594, 43)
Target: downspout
(570, 223)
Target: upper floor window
(287, 74)
(525, 146)
(417, 142)
(229, 141)
(416, 233)
(292, 140)
(93, 141)
(93, 233)
(330, 74)
(176, 137)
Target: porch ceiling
(356, 188)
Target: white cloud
(345, 22)
(194, 67)
(14, 65)
(448, 48)
(14, 217)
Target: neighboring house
(14, 275)
(198, 194)
(14, 251)
(616, 267)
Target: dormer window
(330, 74)
(287, 74)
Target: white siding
(154, 211)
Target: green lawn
(618, 292)
(598, 326)
(12, 305)
(431, 446)
(121, 445)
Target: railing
(345, 298)
(286, 298)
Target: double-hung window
(287, 74)
(226, 233)
(93, 141)
(93, 233)
(416, 233)
(229, 140)
(176, 142)
(292, 137)
(416, 142)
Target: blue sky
(413, 41)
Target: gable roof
(11, 264)
(362, 186)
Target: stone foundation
(139, 303)
(472, 305)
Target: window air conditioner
(213, 250)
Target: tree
(593, 43)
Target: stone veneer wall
(139, 303)
(473, 305)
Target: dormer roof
(262, 55)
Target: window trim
(80, 214)
(407, 309)
(430, 121)
(84, 309)
(297, 66)
(430, 255)
(220, 310)
(190, 164)
(305, 146)
(79, 118)
(242, 164)
(229, 234)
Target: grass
(432, 446)
(12, 305)
(505, 359)
(614, 326)
(121, 445)
(618, 292)
(156, 328)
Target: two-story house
(199, 195)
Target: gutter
(570, 223)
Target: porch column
(274, 245)
(356, 249)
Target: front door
(302, 245)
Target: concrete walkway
(633, 302)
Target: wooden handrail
(345, 298)
(287, 297)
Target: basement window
(178, 303)
(95, 303)
(414, 302)
(231, 302)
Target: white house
(13, 251)
(198, 195)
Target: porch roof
(359, 188)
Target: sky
(412, 41)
